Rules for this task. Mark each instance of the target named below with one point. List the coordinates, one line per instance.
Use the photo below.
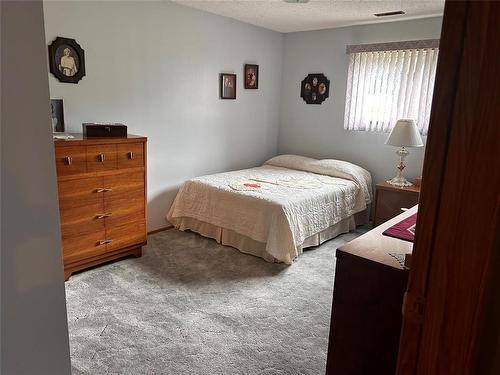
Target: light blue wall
(155, 67)
(318, 130)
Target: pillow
(328, 167)
(290, 161)
(332, 167)
(344, 169)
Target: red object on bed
(404, 230)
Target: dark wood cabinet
(367, 302)
(389, 200)
(102, 199)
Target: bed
(276, 210)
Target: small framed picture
(66, 60)
(227, 86)
(57, 115)
(251, 76)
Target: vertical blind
(384, 86)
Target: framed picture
(66, 60)
(251, 74)
(227, 86)
(315, 88)
(57, 115)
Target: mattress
(275, 210)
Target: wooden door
(458, 221)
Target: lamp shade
(405, 134)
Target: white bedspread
(274, 205)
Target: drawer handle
(69, 160)
(130, 155)
(102, 157)
(102, 216)
(104, 242)
(103, 190)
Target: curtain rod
(392, 46)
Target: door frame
(448, 291)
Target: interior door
(458, 221)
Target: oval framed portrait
(66, 60)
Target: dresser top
(79, 139)
(376, 247)
(386, 186)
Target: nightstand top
(386, 186)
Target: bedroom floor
(192, 306)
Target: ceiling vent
(296, 1)
(395, 13)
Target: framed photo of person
(57, 115)
(66, 60)
(251, 74)
(227, 86)
(315, 88)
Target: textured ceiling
(316, 14)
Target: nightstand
(389, 200)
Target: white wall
(155, 67)
(318, 130)
(33, 308)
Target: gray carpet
(191, 306)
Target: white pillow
(328, 167)
(291, 161)
(331, 167)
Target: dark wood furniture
(367, 303)
(102, 199)
(389, 200)
(451, 323)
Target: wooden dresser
(367, 303)
(102, 199)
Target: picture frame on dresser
(102, 199)
(57, 115)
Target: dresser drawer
(80, 192)
(130, 155)
(125, 202)
(126, 235)
(389, 203)
(81, 247)
(86, 219)
(70, 160)
(101, 158)
(79, 203)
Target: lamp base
(399, 181)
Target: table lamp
(404, 134)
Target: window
(390, 81)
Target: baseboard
(161, 229)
